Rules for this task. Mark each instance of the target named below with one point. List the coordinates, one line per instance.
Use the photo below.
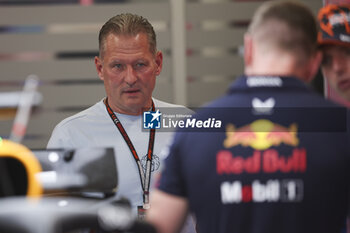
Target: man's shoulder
(68, 133)
(94, 111)
(172, 108)
(162, 104)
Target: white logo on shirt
(263, 107)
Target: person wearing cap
(277, 164)
(334, 41)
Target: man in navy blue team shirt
(280, 160)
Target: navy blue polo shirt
(279, 162)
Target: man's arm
(168, 212)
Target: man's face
(336, 68)
(128, 70)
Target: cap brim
(333, 42)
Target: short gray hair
(130, 25)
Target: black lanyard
(145, 177)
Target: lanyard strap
(145, 177)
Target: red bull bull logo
(261, 135)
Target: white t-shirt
(93, 127)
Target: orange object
(21, 153)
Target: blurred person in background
(334, 41)
(274, 167)
(128, 64)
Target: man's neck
(272, 65)
(134, 111)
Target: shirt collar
(249, 82)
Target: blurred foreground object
(18, 167)
(79, 170)
(64, 214)
(37, 189)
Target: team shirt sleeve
(172, 180)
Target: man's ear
(99, 67)
(248, 52)
(159, 62)
(314, 65)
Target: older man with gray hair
(128, 64)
